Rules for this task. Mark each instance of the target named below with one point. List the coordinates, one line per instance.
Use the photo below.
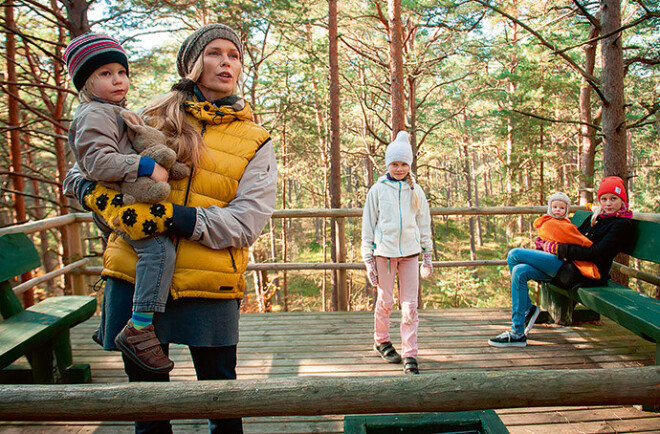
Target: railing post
(342, 290)
(76, 254)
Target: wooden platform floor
(296, 344)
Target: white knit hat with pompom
(399, 150)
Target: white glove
(427, 267)
(372, 274)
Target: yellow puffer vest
(232, 138)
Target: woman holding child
(216, 214)
(609, 229)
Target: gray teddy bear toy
(150, 142)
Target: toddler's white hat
(399, 150)
(561, 197)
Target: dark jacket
(609, 235)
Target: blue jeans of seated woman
(526, 265)
(211, 363)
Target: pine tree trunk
(338, 252)
(396, 66)
(614, 121)
(587, 133)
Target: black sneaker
(530, 318)
(387, 352)
(508, 339)
(410, 366)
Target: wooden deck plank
(322, 344)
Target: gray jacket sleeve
(72, 180)
(102, 153)
(240, 223)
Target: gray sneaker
(530, 318)
(508, 339)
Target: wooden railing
(80, 266)
(300, 396)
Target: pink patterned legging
(406, 268)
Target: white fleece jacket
(390, 227)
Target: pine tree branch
(557, 121)
(593, 82)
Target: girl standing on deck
(396, 228)
(609, 229)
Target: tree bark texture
(614, 120)
(587, 133)
(397, 97)
(340, 298)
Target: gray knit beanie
(194, 44)
(562, 197)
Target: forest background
(503, 100)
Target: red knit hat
(614, 185)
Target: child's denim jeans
(154, 268)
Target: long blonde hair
(596, 212)
(166, 113)
(414, 200)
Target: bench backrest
(17, 256)
(644, 243)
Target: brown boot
(143, 347)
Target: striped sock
(142, 319)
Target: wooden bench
(40, 332)
(633, 310)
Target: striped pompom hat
(87, 52)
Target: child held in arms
(104, 151)
(555, 227)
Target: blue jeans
(211, 363)
(153, 272)
(526, 265)
(155, 265)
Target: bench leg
(43, 365)
(559, 307)
(62, 351)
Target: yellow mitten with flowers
(137, 221)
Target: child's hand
(538, 242)
(159, 174)
(372, 274)
(426, 269)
